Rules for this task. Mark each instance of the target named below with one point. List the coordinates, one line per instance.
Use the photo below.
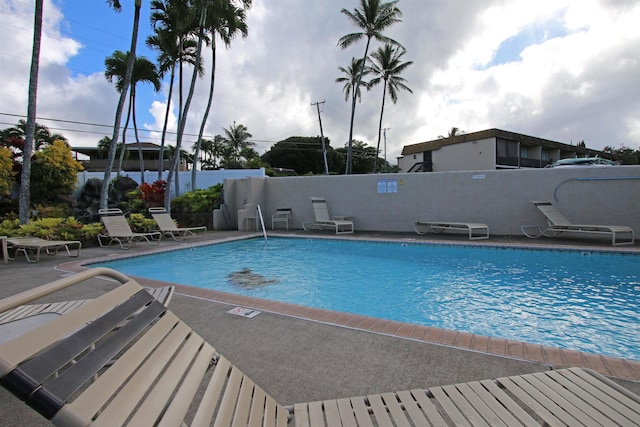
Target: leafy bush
(198, 201)
(153, 195)
(53, 229)
(54, 172)
(7, 173)
(140, 224)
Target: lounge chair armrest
(41, 291)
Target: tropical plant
(7, 173)
(225, 20)
(54, 172)
(350, 77)
(387, 65)
(104, 196)
(144, 71)
(372, 18)
(236, 139)
(454, 131)
(182, 117)
(174, 24)
(153, 195)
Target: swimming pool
(586, 301)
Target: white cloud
(570, 74)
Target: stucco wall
(501, 199)
(471, 155)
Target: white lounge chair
(323, 221)
(118, 230)
(36, 245)
(124, 358)
(557, 224)
(168, 226)
(476, 230)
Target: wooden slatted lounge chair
(36, 245)
(476, 230)
(323, 221)
(558, 224)
(118, 230)
(166, 374)
(167, 225)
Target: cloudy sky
(565, 70)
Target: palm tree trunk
(183, 117)
(124, 139)
(166, 121)
(348, 167)
(24, 197)
(104, 195)
(206, 111)
(384, 94)
(135, 132)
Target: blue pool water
(587, 301)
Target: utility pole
(384, 133)
(324, 149)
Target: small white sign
(244, 312)
(382, 186)
(392, 185)
(481, 176)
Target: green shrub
(198, 201)
(140, 224)
(53, 229)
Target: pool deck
(300, 354)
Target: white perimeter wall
(501, 199)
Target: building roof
(436, 144)
(146, 146)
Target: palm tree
(24, 196)
(372, 18)
(182, 117)
(387, 65)
(174, 23)
(454, 131)
(225, 20)
(350, 79)
(104, 196)
(144, 71)
(237, 139)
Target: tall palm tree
(225, 20)
(387, 65)
(372, 18)
(144, 71)
(104, 195)
(350, 79)
(174, 23)
(24, 196)
(182, 117)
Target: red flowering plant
(153, 195)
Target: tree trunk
(183, 117)
(104, 195)
(384, 94)
(124, 139)
(206, 111)
(135, 132)
(166, 121)
(24, 197)
(348, 167)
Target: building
(150, 155)
(490, 149)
